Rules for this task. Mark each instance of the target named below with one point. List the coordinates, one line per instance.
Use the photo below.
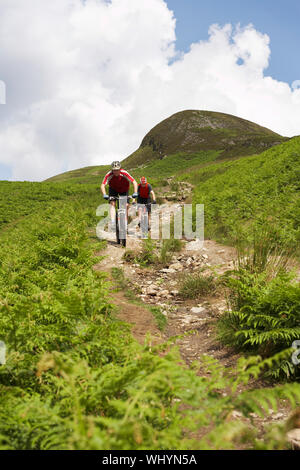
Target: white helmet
(116, 166)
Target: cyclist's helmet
(143, 180)
(116, 166)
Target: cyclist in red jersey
(145, 192)
(118, 181)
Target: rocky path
(159, 287)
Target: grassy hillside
(20, 199)
(256, 188)
(156, 169)
(89, 174)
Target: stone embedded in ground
(236, 414)
(176, 266)
(152, 290)
(198, 310)
(164, 292)
(194, 245)
(174, 292)
(293, 437)
(222, 308)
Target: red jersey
(119, 183)
(144, 191)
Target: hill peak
(195, 130)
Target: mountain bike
(121, 218)
(144, 220)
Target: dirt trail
(140, 318)
(159, 287)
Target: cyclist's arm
(135, 186)
(105, 181)
(153, 195)
(103, 188)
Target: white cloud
(86, 80)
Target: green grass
(21, 199)
(172, 164)
(168, 248)
(264, 317)
(160, 318)
(118, 276)
(195, 286)
(155, 170)
(86, 175)
(249, 191)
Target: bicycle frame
(121, 217)
(144, 219)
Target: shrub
(194, 286)
(147, 256)
(263, 250)
(168, 248)
(118, 276)
(160, 318)
(265, 316)
(129, 256)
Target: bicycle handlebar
(115, 198)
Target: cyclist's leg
(149, 213)
(140, 209)
(140, 214)
(144, 216)
(112, 209)
(123, 206)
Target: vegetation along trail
(179, 295)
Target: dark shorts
(144, 201)
(113, 193)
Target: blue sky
(277, 18)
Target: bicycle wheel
(117, 230)
(144, 223)
(122, 228)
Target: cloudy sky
(85, 80)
